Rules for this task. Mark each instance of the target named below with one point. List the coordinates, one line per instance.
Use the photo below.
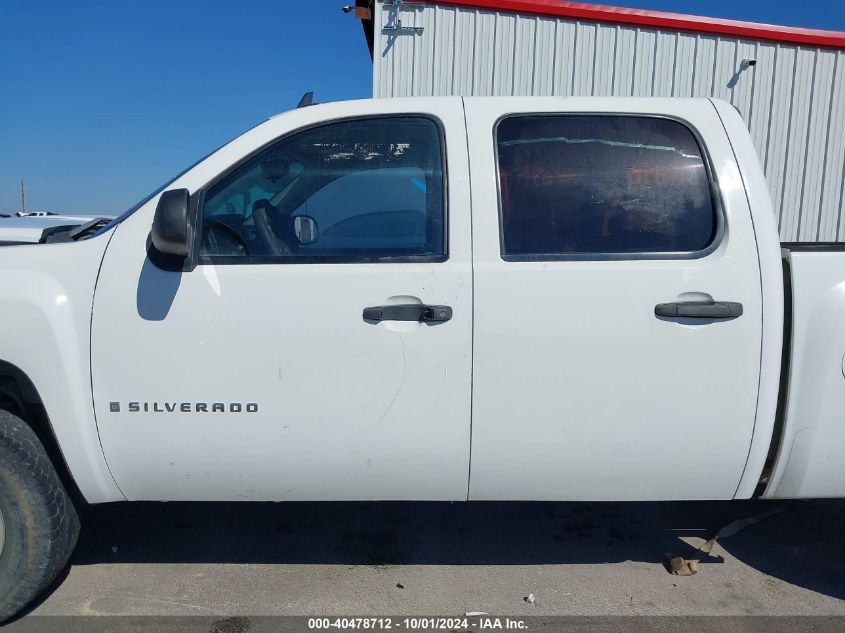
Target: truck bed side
(810, 460)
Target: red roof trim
(658, 19)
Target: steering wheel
(266, 234)
(229, 231)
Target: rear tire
(39, 523)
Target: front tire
(39, 523)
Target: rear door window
(588, 186)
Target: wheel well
(19, 396)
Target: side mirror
(305, 228)
(171, 226)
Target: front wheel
(38, 523)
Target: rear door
(612, 254)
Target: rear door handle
(409, 312)
(700, 309)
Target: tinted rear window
(592, 185)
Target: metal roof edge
(657, 19)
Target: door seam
(472, 296)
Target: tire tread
(54, 525)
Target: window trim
(712, 181)
(229, 260)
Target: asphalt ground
(246, 560)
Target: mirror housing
(171, 232)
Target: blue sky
(101, 101)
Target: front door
(584, 221)
(258, 375)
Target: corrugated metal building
(788, 83)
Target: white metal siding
(793, 100)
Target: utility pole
(23, 197)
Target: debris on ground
(399, 585)
(529, 598)
(680, 566)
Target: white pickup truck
(431, 299)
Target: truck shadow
(802, 545)
(156, 290)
